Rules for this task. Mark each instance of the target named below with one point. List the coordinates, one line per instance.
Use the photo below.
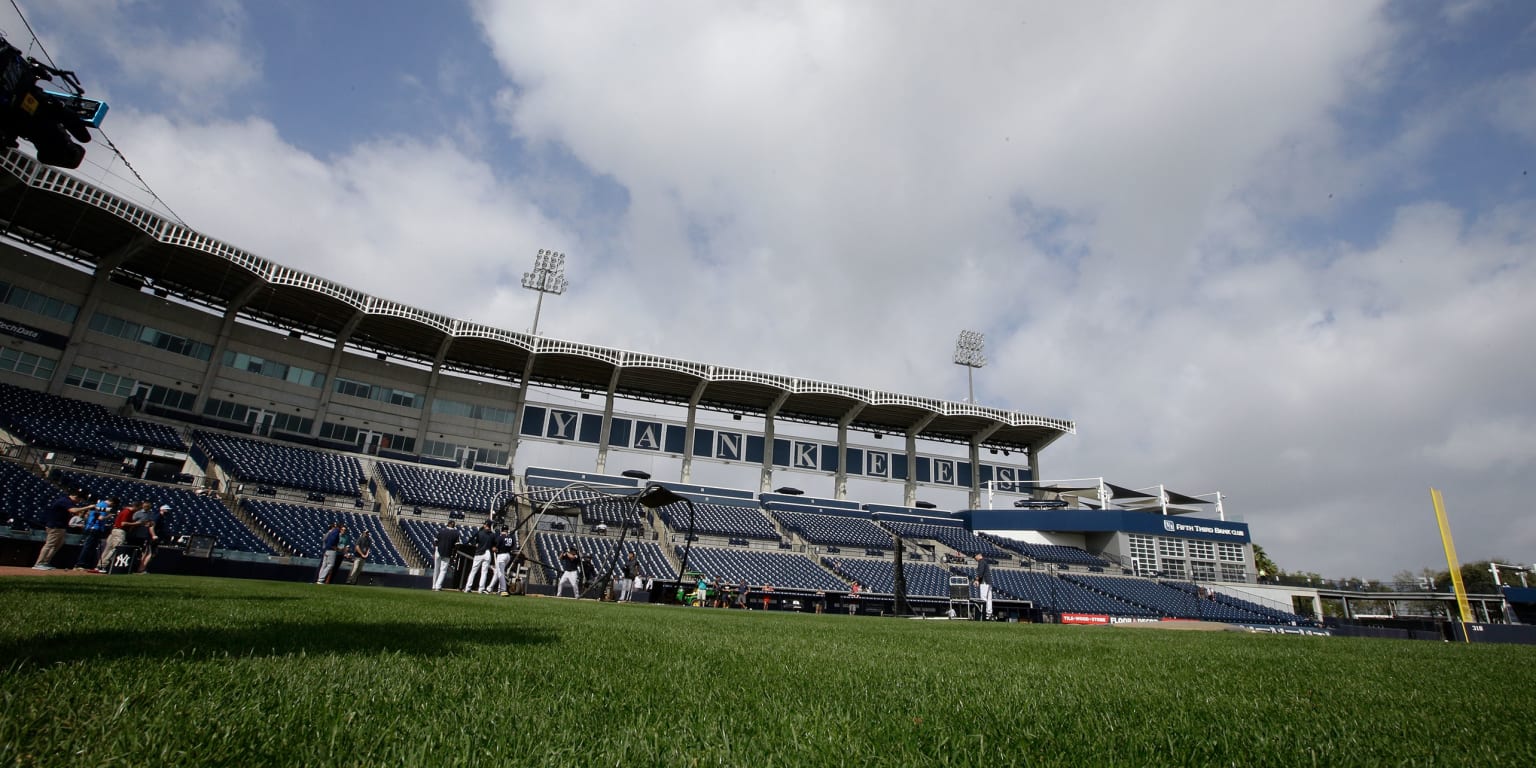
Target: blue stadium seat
(653, 562)
(879, 576)
(191, 514)
(1058, 594)
(952, 536)
(75, 426)
(834, 530)
(302, 528)
(720, 520)
(1266, 614)
(784, 570)
(1165, 600)
(1048, 553)
(23, 495)
(286, 466)
(421, 535)
(444, 489)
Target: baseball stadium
(894, 579)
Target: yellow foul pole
(1455, 565)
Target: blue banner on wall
(1094, 520)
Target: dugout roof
(55, 211)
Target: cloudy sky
(1280, 249)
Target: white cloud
(835, 190)
(1458, 12)
(198, 64)
(414, 221)
(1488, 445)
(847, 155)
(1514, 105)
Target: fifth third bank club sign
(1203, 528)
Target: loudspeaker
(200, 546)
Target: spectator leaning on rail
(328, 547)
(446, 546)
(360, 551)
(154, 527)
(56, 523)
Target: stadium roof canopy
(74, 219)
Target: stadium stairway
(366, 489)
(233, 502)
(397, 537)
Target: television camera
(55, 123)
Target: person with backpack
(98, 523)
(148, 533)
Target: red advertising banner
(1084, 618)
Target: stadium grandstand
(145, 359)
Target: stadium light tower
(548, 276)
(968, 352)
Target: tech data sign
(633, 434)
(36, 335)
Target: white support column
(88, 307)
(602, 447)
(840, 480)
(221, 343)
(517, 413)
(976, 441)
(334, 367)
(765, 477)
(422, 425)
(693, 415)
(910, 489)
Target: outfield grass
(161, 670)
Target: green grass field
(161, 670)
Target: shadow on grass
(279, 638)
(76, 587)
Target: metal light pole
(548, 276)
(1220, 497)
(968, 352)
